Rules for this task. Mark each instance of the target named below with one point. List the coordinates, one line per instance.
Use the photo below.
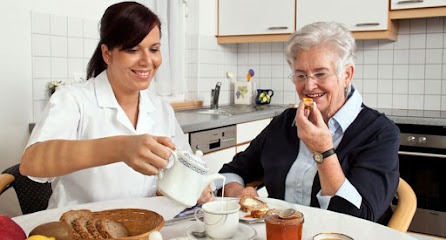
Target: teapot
(184, 181)
(264, 96)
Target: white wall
(16, 96)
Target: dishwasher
(217, 145)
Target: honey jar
(278, 228)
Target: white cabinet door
(249, 17)
(406, 4)
(357, 15)
(249, 130)
(215, 160)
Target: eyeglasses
(319, 77)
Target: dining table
(316, 220)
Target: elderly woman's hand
(312, 129)
(146, 153)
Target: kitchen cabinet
(239, 23)
(409, 9)
(255, 20)
(216, 159)
(367, 19)
(249, 130)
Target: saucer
(340, 236)
(244, 232)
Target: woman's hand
(234, 189)
(146, 153)
(312, 129)
(206, 196)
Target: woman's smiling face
(132, 70)
(322, 84)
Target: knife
(185, 215)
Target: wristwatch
(319, 157)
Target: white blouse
(89, 111)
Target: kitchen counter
(416, 117)
(192, 120)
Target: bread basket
(139, 222)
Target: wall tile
(401, 57)
(418, 26)
(400, 86)
(384, 100)
(370, 57)
(89, 47)
(41, 67)
(434, 56)
(75, 27)
(416, 86)
(434, 25)
(91, 29)
(385, 86)
(416, 71)
(417, 41)
(385, 57)
(399, 101)
(432, 87)
(59, 68)
(59, 46)
(385, 71)
(417, 56)
(432, 102)
(433, 71)
(40, 23)
(40, 89)
(41, 45)
(58, 25)
(416, 102)
(434, 40)
(403, 27)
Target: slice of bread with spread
(256, 207)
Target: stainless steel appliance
(422, 158)
(213, 139)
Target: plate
(244, 232)
(331, 236)
(271, 202)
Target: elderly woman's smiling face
(315, 77)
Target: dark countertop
(416, 117)
(192, 121)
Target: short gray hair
(316, 34)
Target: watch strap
(328, 153)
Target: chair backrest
(32, 196)
(405, 208)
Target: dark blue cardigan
(368, 154)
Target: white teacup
(221, 218)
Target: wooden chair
(32, 196)
(405, 208)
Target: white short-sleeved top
(88, 111)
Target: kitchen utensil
(187, 177)
(251, 72)
(231, 76)
(248, 76)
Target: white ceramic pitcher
(186, 179)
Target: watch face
(318, 157)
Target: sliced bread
(80, 226)
(71, 215)
(253, 205)
(109, 228)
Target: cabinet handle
(409, 1)
(366, 24)
(277, 28)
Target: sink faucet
(215, 93)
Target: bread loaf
(80, 226)
(72, 215)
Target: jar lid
(297, 218)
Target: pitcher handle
(170, 163)
(272, 92)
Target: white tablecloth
(316, 220)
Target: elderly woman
(337, 154)
(107, 138)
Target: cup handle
(196, 213)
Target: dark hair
(123, 25)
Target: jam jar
(278, 228)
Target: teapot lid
(193, 162)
